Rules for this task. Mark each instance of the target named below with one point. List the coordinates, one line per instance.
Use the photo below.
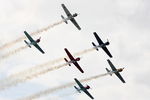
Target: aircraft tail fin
(95, 46)
(67, 61)
(27, 44)
(64, 19)
(109, 72)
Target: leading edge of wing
(28, 36)
(120, 77)
(78, 82)
(66, 10)
(39, 48)
(75, 23)
(107, 52)
(98, 38)
(78, 66)
(87, 92)
(111, 65)
(69, 54)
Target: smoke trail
(14, 52)
(33, 72)
(20, 79)
(47, 28)
(48, 91)
(16, 78)
(9, 44)
(84, 51)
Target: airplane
(73, 60)
(114, 70)
(83, 88)
(101, 45)
(33, 42)
(70, 17)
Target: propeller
(107, 40)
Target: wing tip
(25, 31)
(65, 49)
(108, 60)
(75, 79)
(94, 32)
(111, 56)
(82, 71)
(62, 5)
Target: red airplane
(73, 60)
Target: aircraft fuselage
(71, 16)
(103, 45)
(118, 70)
(73, 61)
(32, 43)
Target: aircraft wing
(120, 77)
(111, 65)
(114, 69)
(75, 23)
(80, 85)
(83, 88)
(107, 51)
(98, 39)
(72, 58)
(38, 47)
(69, 54)
(29, 37)
(66, 10)
(35, 44)
(78, 66)
(85, 91)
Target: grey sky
(124, 22)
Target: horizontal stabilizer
(67, 61)
(64, 19)
(27, 44)
(77, 89)
(95, 46)
(108, 71)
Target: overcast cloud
(124, 22)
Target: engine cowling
(38, 40)
(74, 15)
(77, 59)
(87, 87)
(120, 69)
(107, 43)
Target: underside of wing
(29, 37)
(107, 51)
(38, 47)
(78, 66)
(66, 10)
(79, 84)
(75, 23)
(120, 77)
(98, 38)
(111, 65)
(85, 91)
(69, 54)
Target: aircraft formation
(72, 59)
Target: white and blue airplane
(70, 17)
(33, 42)
(83, 88)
